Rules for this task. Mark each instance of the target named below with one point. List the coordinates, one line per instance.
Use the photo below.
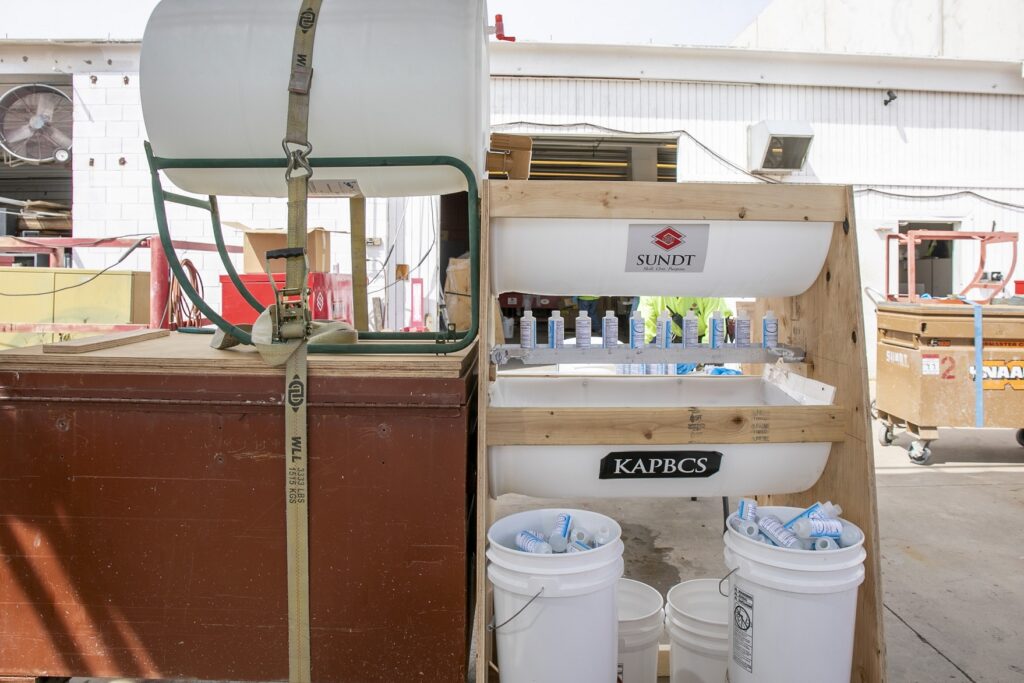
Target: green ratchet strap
(291, 324)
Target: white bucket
(792, 611)
(697, 621)
(641, 622)
(556, 615)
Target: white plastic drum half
(616, 257)
(391, 78)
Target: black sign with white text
(660, 464)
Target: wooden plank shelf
(664, 426)
(509, 354)
(665, 201)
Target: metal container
(927, 369)
(143, 530)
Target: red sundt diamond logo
(668, 238)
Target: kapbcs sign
(660, 464)
(667, 248)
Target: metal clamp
(298, 152)
(500, 355)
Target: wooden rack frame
(826, 320)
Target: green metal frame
(444, 344)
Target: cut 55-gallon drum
(390, 78)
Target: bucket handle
(491, 627)
(723, 580)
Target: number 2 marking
(948, 366)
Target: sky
(643, 22)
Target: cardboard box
(510, 154)
(256, 244)
(457, 295)
(459, 300)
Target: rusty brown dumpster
(142, 516)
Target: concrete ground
(952, 553)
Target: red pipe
(499, 29)
(159, 285)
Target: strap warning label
(743, 629)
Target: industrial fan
(35, 124)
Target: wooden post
(159, 285)
(357, 221)
(828, 322)
(484, 503)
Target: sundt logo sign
(668, 238)
(675, 248)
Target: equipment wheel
(919, 452)
(1020, 436)
(885, 435)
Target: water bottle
(609, 330)
(532, 542)
(747, 509)
(816, 527)
(559, 536)
(636, 331)
(556, 330)
(771, 526)
(716, 330)
(583, 331)
(742, 331)
(663, 337)
(691, 330)
(528, 331)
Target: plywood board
(664, 426)
(103, 341)
(181, 353)
(667, 201)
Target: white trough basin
(560, 471)
(620, 256)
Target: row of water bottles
(637, 332)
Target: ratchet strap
(291, 328)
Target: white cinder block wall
(113, 197)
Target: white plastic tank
(391, 78)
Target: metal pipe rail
(444, 343)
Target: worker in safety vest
(652, 306)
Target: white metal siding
(923, 138)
